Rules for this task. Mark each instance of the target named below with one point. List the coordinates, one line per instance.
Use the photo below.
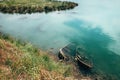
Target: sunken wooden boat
(75, 53)
(62, 55)
(83, 60)
(67, 53)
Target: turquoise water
(94, 25)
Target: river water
(94, 25)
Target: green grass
(29, 2)
(30, 6)
(28, 61)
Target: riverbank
(20, 60)
(32, 6)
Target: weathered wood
(62, 55)
(67, 53)
(82, 62)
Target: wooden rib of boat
(83, 61)
(65, 54)
(62, 55)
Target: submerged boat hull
(67, 53)
(82, 63)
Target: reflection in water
(96, 44)
(93, 25)
(105, 13)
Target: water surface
(94, 25)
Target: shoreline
(33, 9)
(9, 46)
(49, 6)
(22, 60)
(7, 42)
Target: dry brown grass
(23, 61)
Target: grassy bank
(23, 61)
(31, 6)
(20, 60)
